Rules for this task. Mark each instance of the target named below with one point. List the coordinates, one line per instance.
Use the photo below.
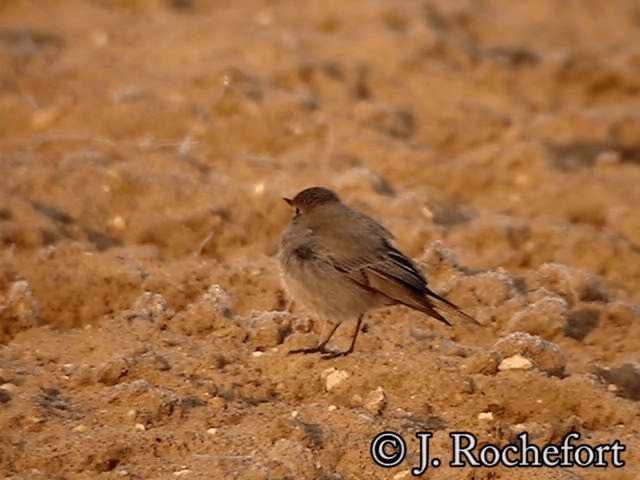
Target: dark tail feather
(435, 314)
(448, 307)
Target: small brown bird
(339, 263)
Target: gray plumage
(339, 263)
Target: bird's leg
(328, 355)
(321, 347)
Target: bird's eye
(297, 211)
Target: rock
(113, 370)
(150, 306)
(333, 378)
(516, 362)
(5, 395)
(9, 387)
(217, 403)
(374, 401)
(20, 312)
(547, 356)
(218, 298)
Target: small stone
(140, 427)
(332, 408)
(5, 395)
(517, 362)
(485, 416)
(113, 370)
(212, 431)
(21, 312)
(217, 403)
(79, 428)
(375, 401)
(608, 158)
(9, 387)
(118, 223)
(152, 306)
(218, 297)
(333, 378)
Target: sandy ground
(145, 148)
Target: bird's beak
(288, 200)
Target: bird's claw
(325, 353)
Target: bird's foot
(326, 353)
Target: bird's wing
(378, 266)
(393, 275)
(389, 273)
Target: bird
(339, 263)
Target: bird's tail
(448, 308)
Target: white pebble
(517, 362)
